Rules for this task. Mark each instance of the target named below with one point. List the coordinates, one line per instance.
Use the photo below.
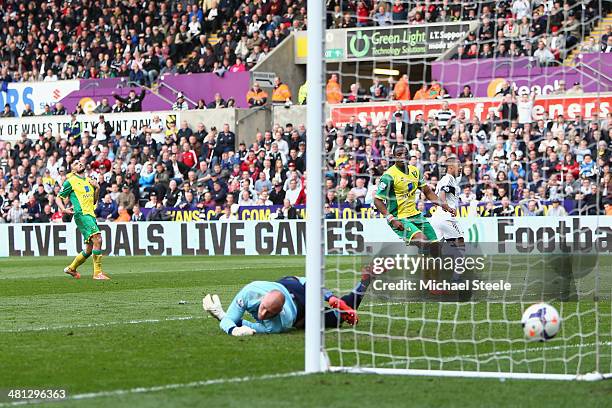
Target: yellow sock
(78, 261)
(97, 262)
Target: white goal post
(315, 244)
(480, 337)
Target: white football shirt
(450, 185)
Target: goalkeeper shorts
(298, 295)
(414, 225)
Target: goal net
(518, 94)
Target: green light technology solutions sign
(403, 42)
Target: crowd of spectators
(508, 160)
(391, 90)
(49, 40)
(58, 39)
(157, 167)
(605, 42)
(545, 30)
(52, 40)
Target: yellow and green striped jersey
(81, 194)
(398, 190)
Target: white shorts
(446, 228)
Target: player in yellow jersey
(83, 193)
(396, 201)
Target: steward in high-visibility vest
(256, 96)
(281, 92)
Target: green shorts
(87, 225)
(414, 225)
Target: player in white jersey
(448, 190)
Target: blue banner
(339, 212)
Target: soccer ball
(540, 322)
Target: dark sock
(354, 298)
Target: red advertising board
(588, 106)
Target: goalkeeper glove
(242, 331)
(347, 313)
(212, 304)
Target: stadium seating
(506, 26)
(59, 40)
(507, 166)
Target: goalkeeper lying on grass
(280, 306)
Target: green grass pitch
(129, 343)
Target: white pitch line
(89, 325)
(535, 349)
(385, 304)
(506, 352)
(237, 268)
(157, 388)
